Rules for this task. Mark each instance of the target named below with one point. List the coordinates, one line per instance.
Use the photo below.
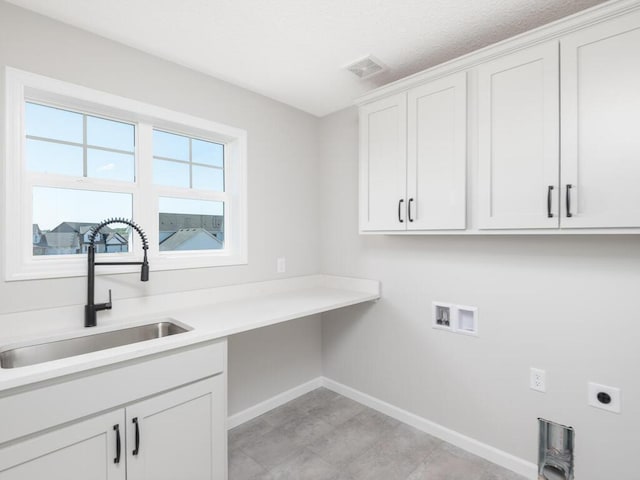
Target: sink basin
(43, 351)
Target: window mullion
(84, 146)
(190, 163)
(146, 201)
(175, 192)
(76, 183)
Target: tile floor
(325, 436)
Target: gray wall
(562, 304)
(566, 305)
(282, 145)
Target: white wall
(567, 305)
(282, 145)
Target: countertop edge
(309, 295)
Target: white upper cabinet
(437, 154)
(383, 164)
(553, 129)
(600, 78)
(518, 140)
(413, 159)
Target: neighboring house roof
(62, 239)
(171, 222)
(71, 227)
(165, 235)
(79, 227)
(191, 239)
(116, 239)
(69, 236)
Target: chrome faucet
(91, 307)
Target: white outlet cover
(466, 320)
(614, 392)
(281, 265)
(538, 380)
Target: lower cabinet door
(179, 435)
(87, 450)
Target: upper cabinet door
(601, 125)
(519, 139)
(437, 154)
(383, 164)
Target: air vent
(366, 67)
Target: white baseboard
(273, 402)
(499, 457)
(494, 455)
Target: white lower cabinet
(163, 418)
(180, 434)
(87, 450)
(174, 436)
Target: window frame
(19, 261)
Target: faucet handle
(108, 304)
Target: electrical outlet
(281, 265)
(604, 397)
(538, 380)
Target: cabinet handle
(118, 444)
(400, 210)
(409, 209)
(568, 200)
(549, 190)
(137, 447)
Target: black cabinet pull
(400, 210)
(568, 200)
(118, 444)
(549, 190)
(137, 447)
(409, 209)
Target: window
(193, 164)
(187, 162)
(63, 218)
(77, 156)
(190, 224)
(71, 143)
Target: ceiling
(294, 51)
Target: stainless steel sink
(45, 351)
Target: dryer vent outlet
(555, 451)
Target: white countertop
(212, 313)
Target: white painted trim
(273, 402)
(492, 454)
(20, 263)
(469, 444)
